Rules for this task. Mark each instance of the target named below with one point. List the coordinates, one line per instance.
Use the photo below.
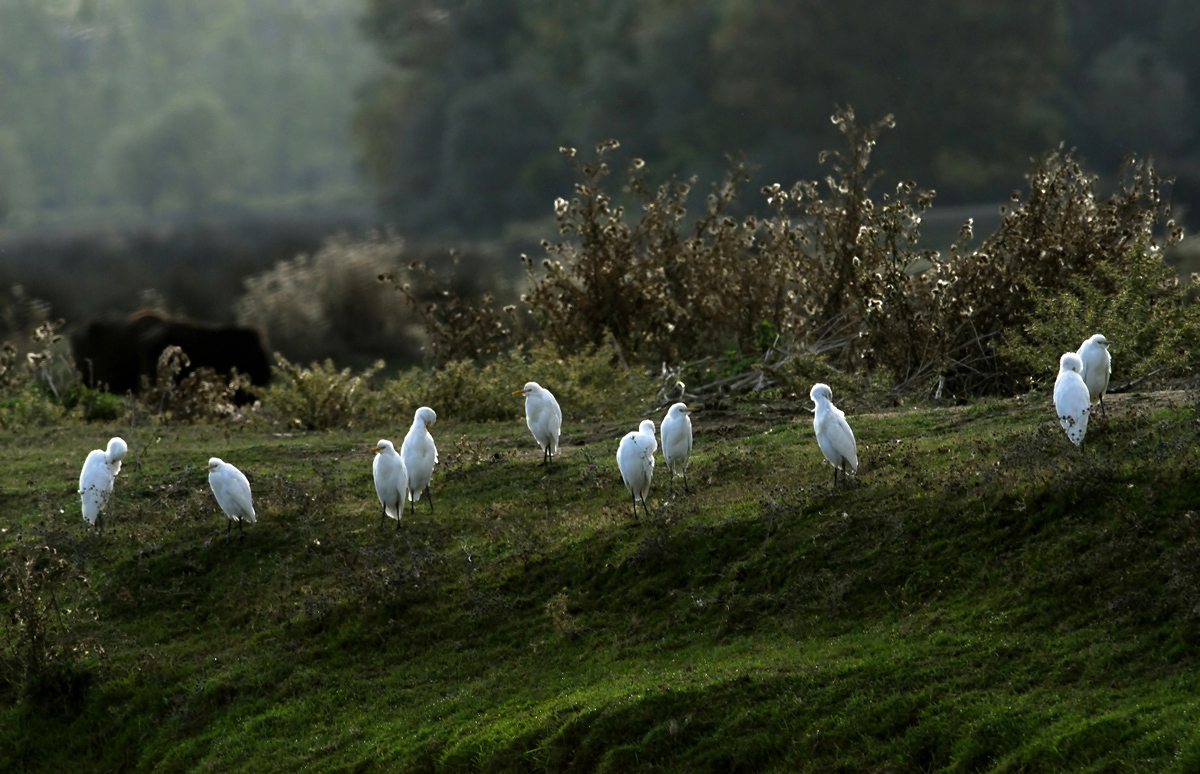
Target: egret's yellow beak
(376, 448)
(518, 392)
(690, 410)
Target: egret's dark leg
(430, 497)
(633, 497)
(671, 483)
(228, 528)
(685, 486)
(401, 513)
(382, 516)
(835, 472)
(646, 508)
(241, 529)
(99, 523)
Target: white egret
(1072, 401)
(420, 455)
(391, 480)
(544, 418)
(96, 480)
(834, 435)
(1097, 367)
(676, 430)
(232, 490)
(635, 460)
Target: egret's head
(1070, 362)
(426, 415)
(528, 389)
(647, 426)
(117, 449)
(1099, 339)
(382, 445)
(214, 463)
(679, 409)
(820, 392)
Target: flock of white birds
(403, 477)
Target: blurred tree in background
(241, 100)
(457, 135)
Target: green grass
(982, 597)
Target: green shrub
(1060, 239)
(1137, 303)
(319, 397)
(587, 384)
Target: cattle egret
(1097, 368)
(635, 460)
(232, 490)
(834, 435)
(676, 433)
(96, 480)
(1072, 401)
(544, 418)
(420, 455)
(391, 481)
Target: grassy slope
(982, 597)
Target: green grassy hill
(982, 597)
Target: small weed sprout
(560, 616)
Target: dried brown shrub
(1057, 234)
(202, 395)
(457, 326)
(835, 269)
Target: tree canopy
(460, 134)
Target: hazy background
(158, 153)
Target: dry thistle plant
(457, 327)
(200, 396)
(1057, 236)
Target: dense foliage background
(459, 134)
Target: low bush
(319, 397)
(588, 384)
(1138, 303)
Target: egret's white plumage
(543, 416)
(419, 454)
(635, 460)
(676, 431)
(96, 480)
(391, 480)
(1072, 401)
(834, 435)
(232, 490)
(1097, 367)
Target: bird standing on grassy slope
(391, 480)
(1097, 367)
(96, 480)
(834, 435)
(419, 455)
(544, 418)
(676, 430)
(232, 490)
(1072, 401)
(635, 460)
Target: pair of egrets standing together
(1082, 379)
(101, 467)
